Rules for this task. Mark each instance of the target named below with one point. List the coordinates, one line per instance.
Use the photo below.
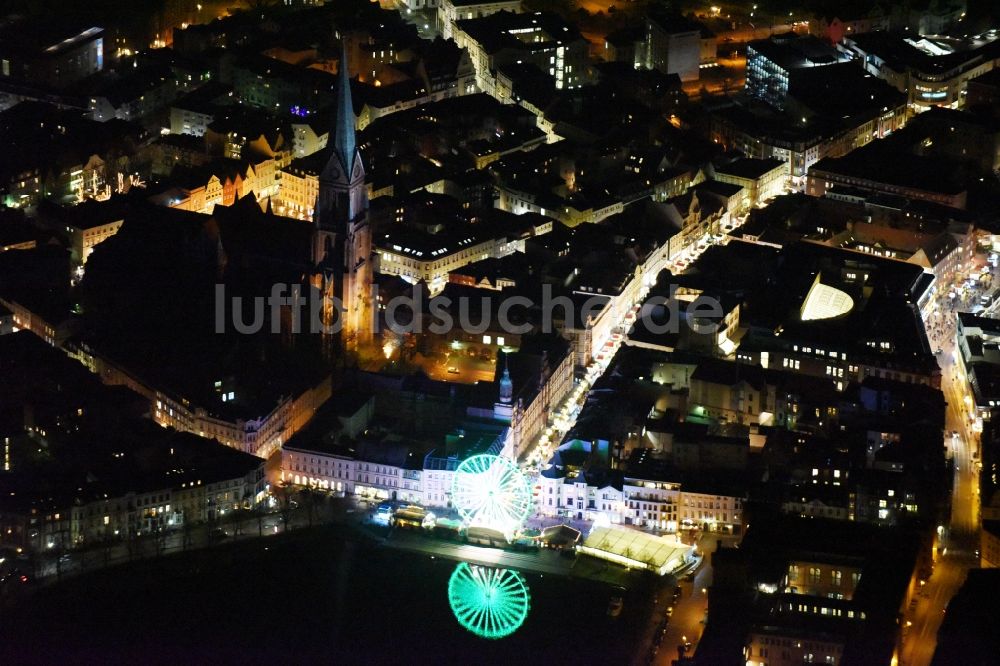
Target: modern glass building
(770, 63)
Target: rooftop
(926, 55)
(660, 554)
(794, 52)
(44, 38)
(538, 31)
(881, 163)
(751, 168)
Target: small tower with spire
(506, 385)
(503, 409)
(342, 242)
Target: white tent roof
(661, 554)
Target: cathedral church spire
(342, 235)
(344, 140)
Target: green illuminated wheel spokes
(490, 491)
(491, 603)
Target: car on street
(15, 576)
(218, 534)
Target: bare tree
(235, 518)
(187, 529)
(283, 495)
(57, 552)
(106, 541)
(159, 541)
(132, 544)
(309, 497)
(260, 511)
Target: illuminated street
(687, 621)
(959, 547)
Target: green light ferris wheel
(490, 603)
(490, 491)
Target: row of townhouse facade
(379, 473)
(841, 366)
(341, 473)
(260, 436)
(223, 189)
(23, 318)
(590, 338)
(801, 150)
(648, 504)
(434, 266)
(384, 471)
(518, 201)
(297, 190)
(192, 502)
(115, 517)
(530, 418)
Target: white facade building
(450, 11)
(433, 265)
(651, 504)
(378, 470)
(385, 479)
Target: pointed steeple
(344, 141)
(506, 385)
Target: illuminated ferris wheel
(491, 603)
(490, 491)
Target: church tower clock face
(357, 169)
(334, 172)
